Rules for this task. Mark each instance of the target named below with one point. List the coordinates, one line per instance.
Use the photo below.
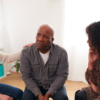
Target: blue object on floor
(1, 70)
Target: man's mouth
(39, 44)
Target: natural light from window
(78, 15)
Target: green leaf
(17, 65)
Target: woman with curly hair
(92, 74)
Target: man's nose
(41, 38)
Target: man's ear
(52, 39)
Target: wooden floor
(15, 79)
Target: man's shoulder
(59, 52)
(58, 48)
(29, 49)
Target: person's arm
(92, 56)
(4, 57)
(95, 88)
(26, 72)
(62, 74)
(7, 58)
(5, 97)
(98, 90)
(88, 75)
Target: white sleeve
(4, 57)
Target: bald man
(44, 68)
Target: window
(78, 14)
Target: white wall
(4, 38)
(22, 18)
(78, 15)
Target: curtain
(1, 16)
(1, 20)
(78, 14)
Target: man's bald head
(48, 28)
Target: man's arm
(26, 71)
(62, 74)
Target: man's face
(43, 39)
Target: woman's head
(93, 32)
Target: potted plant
(17, 65)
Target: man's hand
(28, 45)
(40, 97)
(46, 97)
(5, 97)
(94, 87)
(92, 58)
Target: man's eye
(46, 37)
(38, 34)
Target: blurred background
(20, 20)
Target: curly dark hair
(93, 32)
